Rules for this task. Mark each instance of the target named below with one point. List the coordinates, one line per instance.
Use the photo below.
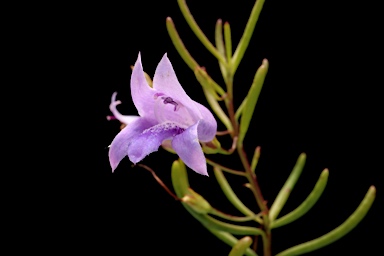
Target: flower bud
(196, 202)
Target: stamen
(169, 100)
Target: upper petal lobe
(142, 93)
(165, 81)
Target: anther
(169, 100)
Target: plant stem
(229, 104)
(259, 199)
(251, 176)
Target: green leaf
(240, 109)
(231, 228)
(228, 41)
(216, 108)
(252, 98)
(230, 240)
(230, 217)
(208, 83)
(198, 32)
(210, 88)
(230, 194)
(220, 47)
(219, 228)
(179, 45)
(338, 232)
(241, 246)
(255, 159)
(286, 190)
(305, 206)
(247, 35)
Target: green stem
(305, 206)
(229, 104)
(259, 199)
(338, 232)
(198, 32)
(286, 190)
(252, 180)
(244, 41)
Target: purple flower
(166, 112)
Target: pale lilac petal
(122, 118)
(176, 113)
(142, 93)
(187, 146)
(165, 81)
(150, 140)
(207, 128)
(119, 146)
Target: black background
(321, 96)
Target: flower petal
(150, 140)
(120, 144)
(189, 150)
(176, 113)
(207, 127)
(122, 118)
(165, 81)
(142, 93)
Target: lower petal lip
(150, 140)
(120, 144)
